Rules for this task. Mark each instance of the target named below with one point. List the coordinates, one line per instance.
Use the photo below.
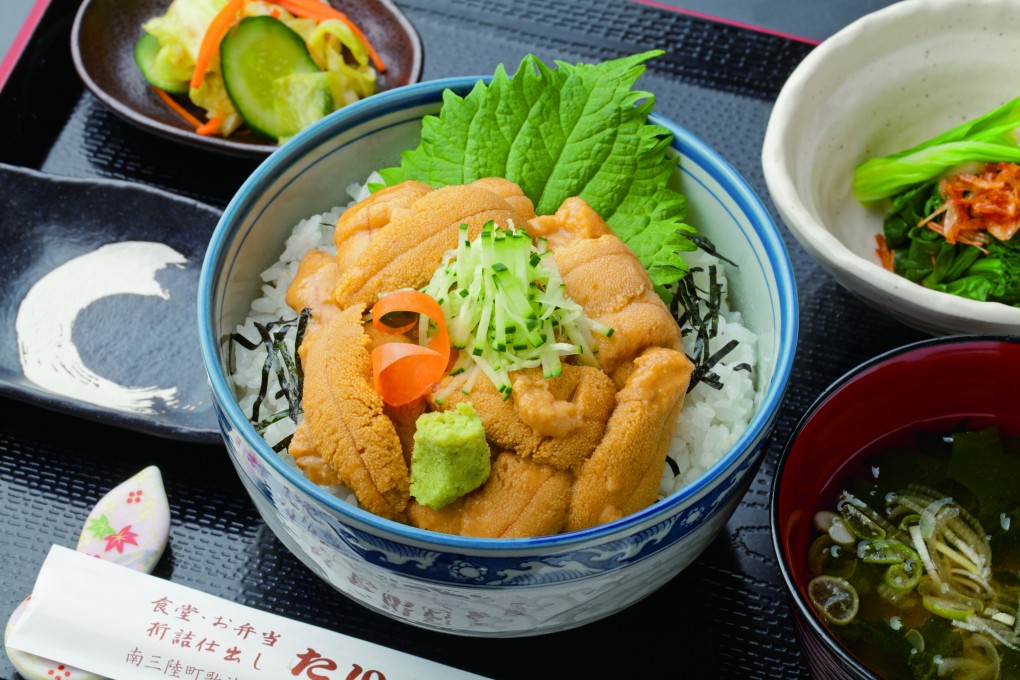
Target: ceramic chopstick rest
(129, 526)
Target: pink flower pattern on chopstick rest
(129, 526)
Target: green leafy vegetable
(925, 257)
(576, 130)
(988, 138)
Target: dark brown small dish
(102, 45)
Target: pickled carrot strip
(313, 9)
(218, 28)
(177, 108)
(212, 126)
(405, 371)
(885, 256)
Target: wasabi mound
(450, 456)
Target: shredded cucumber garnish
(506, 309)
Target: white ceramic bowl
(885, 83)
(473, 586)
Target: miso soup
(915, 563)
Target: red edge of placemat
(21, 39)
(723, 20)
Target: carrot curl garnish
(218, 28)
(405, 371)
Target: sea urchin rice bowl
(462, 585)
(711, 421)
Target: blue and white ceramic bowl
(462, 585)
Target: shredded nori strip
(703, 369)
(243, 341)
(686, 308)
(714, 299)
(674, 468)
(283, 443)
(705, 244)
(282, 361)
(302, 325)
(269, 420)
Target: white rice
(710, 421)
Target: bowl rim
(807, 614)
(432, 92)
(941, 310)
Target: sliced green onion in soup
(909, 520)
(834, 598)
(947, 603)
(860, 524)
(840, 532)
(885, 552)
(916, 639)
(954, 610)
(904, 576)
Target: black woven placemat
(724, 617)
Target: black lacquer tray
(724, 617)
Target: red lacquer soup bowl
(919, 386)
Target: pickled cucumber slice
(146, 50)
(271, 78)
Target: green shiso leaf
(576, 130)
(988, 138)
